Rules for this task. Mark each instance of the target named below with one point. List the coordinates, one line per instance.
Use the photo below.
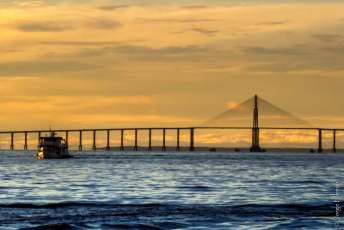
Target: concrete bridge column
(192, 139)
(150, 140)
(108, 140)
(122, 140)
(25, 141)
(320, 148)
(94, 146)
(39, 134)
(178, 140)
(80, 140)
(164, 140)
(67, 137)
(136, 146)
(334, 148)
(12, 141)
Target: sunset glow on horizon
(94, 64)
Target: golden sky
(75, 63)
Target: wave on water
(72, 205)
(196, 188)
(83, 215)
(103, 226)
(297, 209)
(54, 227)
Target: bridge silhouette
(256, 111)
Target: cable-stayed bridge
(254, 115)
(256, 109)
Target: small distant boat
(52, 147)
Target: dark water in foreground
(172, 191)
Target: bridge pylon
(255, 128)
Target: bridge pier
(39, 137)
(12, 141)
(334, 148)
(80, 140)
(122, 140)
(25, 141)
(164, 140)
(67, 137)
(192, 139)
(255, 141)
(178, 140)
(320, 148)
(94, 146)
(108, 147)
(136, 146)
(150, 140)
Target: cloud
(176, 20)
(329, 37)
(290, 50)
(194, 7)
(66, 25)
(311, 56)
(146, 53)
(231, 104)
(43, 26)
(85, 104)
(53, 62)
(296, 66)
(112, 7)
(78, 43)
(21, 3)
(332, 43)
(171, 50)
(103, 24)
(273, 23)
(24, 68)
(205, 31)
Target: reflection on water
(109, 190)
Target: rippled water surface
(110, 190)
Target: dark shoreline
(215, 149)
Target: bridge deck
(191, 130)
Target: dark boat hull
(41, 155)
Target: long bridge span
(255, 130)
(255, 146)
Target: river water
(111, 190)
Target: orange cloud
(231, 104)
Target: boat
(52, 147)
